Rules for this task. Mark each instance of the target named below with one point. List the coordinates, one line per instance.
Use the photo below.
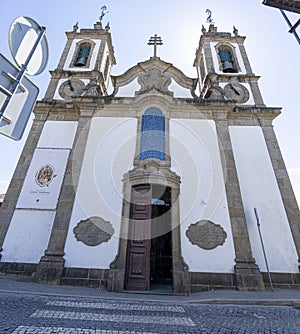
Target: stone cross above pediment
(155, 40)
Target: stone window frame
(87, 42)
(232, 49)
(147, 112)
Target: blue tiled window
(153, 135)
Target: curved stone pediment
(154, 74)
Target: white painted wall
(27, 236)
(29, 230)
(35, 196)
(109, 154)
(58, 134)
(53, 148)
(259, 189)
(196, 159)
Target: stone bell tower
(221, 57)
(85, 64)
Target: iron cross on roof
(155, 40)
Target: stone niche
(206, 234)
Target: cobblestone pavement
(21, 314)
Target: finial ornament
(203, 29)
(209, 19)
(235, 31)
(104, 11)
(75, 27)
(155, 40)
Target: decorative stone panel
(93, 231)
(206, 234)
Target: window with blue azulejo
(153, 135)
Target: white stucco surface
(27, 236)
(58, 134)
(36, 196)
(196, 159)
(109, 154)
(259, 189)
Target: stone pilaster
(12, 195)
(209, 58)
(63, 58)
(247, 273)
(284, 184)
(245, 57)
(51, 89)
(259, 102)
(50, 267)
(181, 274)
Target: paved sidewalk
(280, 297)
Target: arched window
(153, 135)
(83, 54)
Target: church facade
(129, 192)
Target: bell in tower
(227, 61)
(83, 56)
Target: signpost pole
(292, 28)
(21, 74)
(263, 248)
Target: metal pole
(292, 29)
(21, 74)
(263, 248)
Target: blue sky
(273, 52)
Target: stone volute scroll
(93, 231)
(154, 74)
(206, 234)
(155, 79)
(93, 87)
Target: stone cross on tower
(155, 40)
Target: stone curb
(253, 302)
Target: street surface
(36, 314)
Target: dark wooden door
(139, 243)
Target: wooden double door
(149, 248)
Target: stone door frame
(151, 173)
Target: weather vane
(103, 12)
(155, 40)
(209, 19)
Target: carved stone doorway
(149, 248)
